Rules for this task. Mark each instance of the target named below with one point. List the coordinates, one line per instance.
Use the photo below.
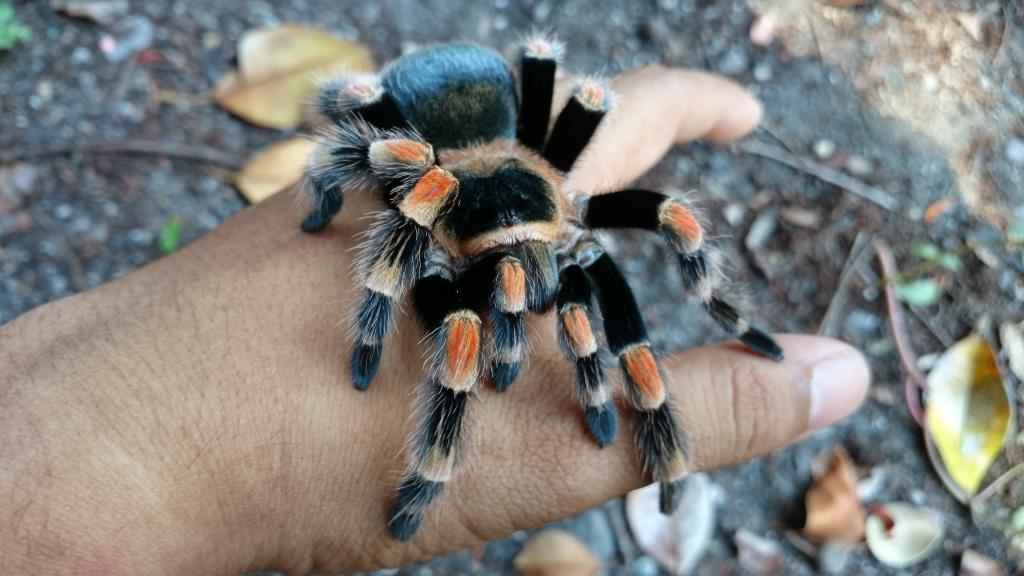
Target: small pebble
(63, 212)
(761, 230)
(734, 212)
(832, 558)
(763, 72)
(644, 566)
(824, 148)
(858, 165)
(734, 62)
(1015, 151)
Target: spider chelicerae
(482, 229)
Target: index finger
(658, 107)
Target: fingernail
(837, 387)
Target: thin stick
(141, 147)
(841, 296)
(821, 172)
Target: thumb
(735, 406)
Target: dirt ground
(917, 101)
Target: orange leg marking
(643, 372)
(463, 349)
(409, 151)
(435, 185)
(513, 286)
(683, 222)
(579, 332)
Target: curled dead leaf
(277, 71)
(967, 415)
(975, 564)
(554, 552)
(678, 541)
(273, 169)
(834, 512)
(900, 535)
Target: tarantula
(481, 227)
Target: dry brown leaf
(834, 512)
(938, 208)
(99, 11)
(554, 552)
(277, 71)
(273, 169)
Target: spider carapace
(482, 229)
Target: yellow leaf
(277, 72)
(555, 552)
(968, 412)
(273, 169)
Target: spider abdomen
(455, 95)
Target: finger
(732, 405)
(656, 108)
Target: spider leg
(576, 123)
(580, 347)
(538, 62)
(678, 224)
(391, 259)
(362, 95)
(457, 335)
(541, 267)
(660, 443)
(499, 280)
(395, 245)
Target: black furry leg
(359, 95)
(580, 347)
(541, 267)
(327, 204)
(679, 225)
(537, 79)
(455, 370)
(660, 443)
(576, 124)
(392, 259)
(499, 282)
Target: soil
(922, 100)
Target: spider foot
(365, 363)
(411, 501)
(603, 423)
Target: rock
(762, 31)
(734, 62)
(824, 148)
(1014, 151)
(734, 212)
(833, 557)
(858, 165)
(762, 72)
(861, 324)
(644, 566)
(762, 229)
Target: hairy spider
(481, 227)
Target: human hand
(198, 416)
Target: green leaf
(926, 251)
(919, 292)
(1016, 233)
(11, 31)
(950, 261)
(170, 236)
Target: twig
(821, 172)
(140, 147)
(915, 381)
(839, 298)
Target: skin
(197, 417)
